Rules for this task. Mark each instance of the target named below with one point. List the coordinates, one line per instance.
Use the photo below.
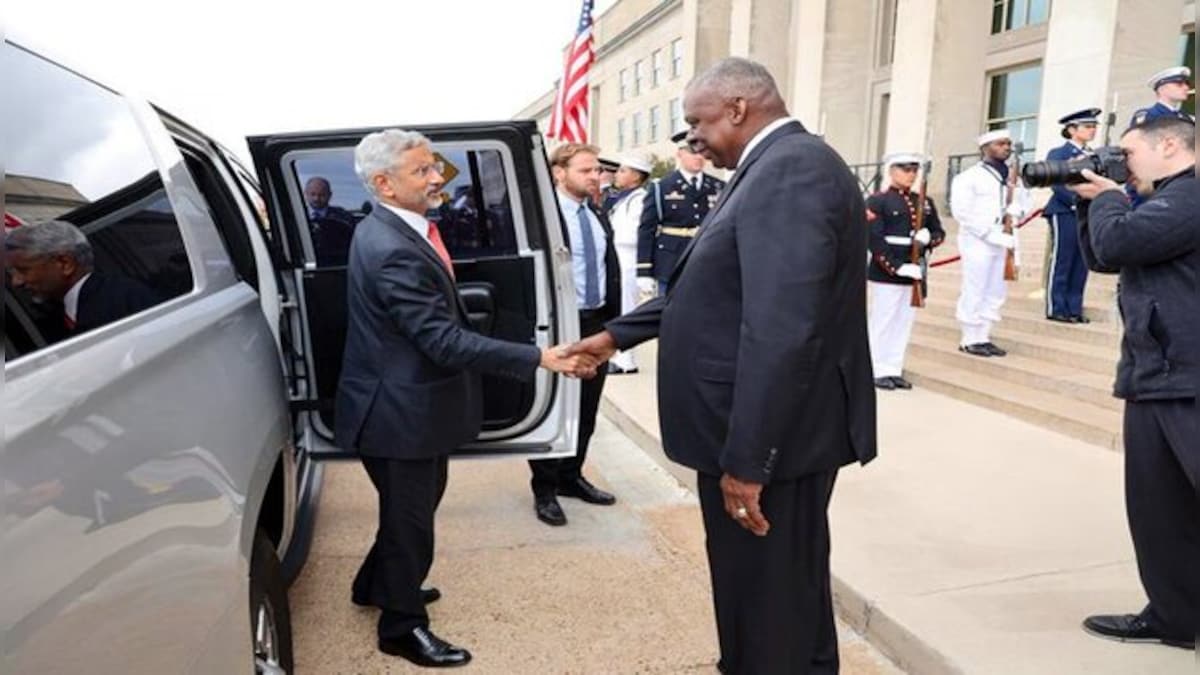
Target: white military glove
(922, 236)
(647, 285)
(998, 238)
(1015, 211)
(910, 271)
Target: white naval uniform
(889, 325)
(625, 217)
(977, 202)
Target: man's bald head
(317, 192)
(728, 104)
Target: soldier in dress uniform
(1172, 87)
(1067, 274)
(675, 205)
(892, 218)
(610, 194)
(980, 201)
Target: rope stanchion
(1035, 214)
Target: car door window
(86, 166)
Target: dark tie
(696, 183)
(591, 287)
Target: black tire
(268, 594)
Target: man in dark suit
(331, 226)
(1067, 273)
(672, 212)
(54, 261)
(576, 170)
(410, 389)
(765, 383)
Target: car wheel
(270, 617)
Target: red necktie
(435, 240)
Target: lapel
(394, 221)
(792, 127)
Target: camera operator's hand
(1095, 185)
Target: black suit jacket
(105, 298)
(410, 385)
(763, 366)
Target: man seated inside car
(331, 226)
(53, 261)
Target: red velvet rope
(955, 258)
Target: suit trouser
(983, 288)
(392, 573)
(889, 326)
(548, 474)
(1162, 500)
(1067, 276)
(771, 594)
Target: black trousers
(392, 573)
(1162, 500)
(548, 474)
(772, 594)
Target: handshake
(581, 359)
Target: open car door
(501, 224)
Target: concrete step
(1102, 333)
(1100, 287)
(1092, 358)
(1051, 410)
(1078, 385)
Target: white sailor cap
(901, 158)
(993, 136)
(637, 161)
(1176, 74)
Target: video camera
(1107, 161)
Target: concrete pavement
(976, 543)
(621, 589)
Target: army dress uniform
(892, 219)
(675, 205)
(1067, 276)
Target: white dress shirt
(71, 299)
(570, 211)
(763, 133)
(418, 222)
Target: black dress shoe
(885, 383)
(1080, 319)
(901, 383)
(996, 351)
(549, 512)
(1130, 628)
(614, 369)
(978, 349)
(424, 648)
(428, 596)
(1061, 318)
(580, 488)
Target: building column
(807, 56)
(1098, 50)
(705, 34)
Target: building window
(676, 58)
(1014, 14)
(623, 85)
(637, 78)
(621, 134)
(887, 32)
(652, 134)
(1187, 47)
(676, 107)
(636, 122)
(656, 68)
(1013, 100)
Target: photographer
(1156, 250)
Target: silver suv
(161, 464)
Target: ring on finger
(741, 512)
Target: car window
(475, 218)
(77, 162)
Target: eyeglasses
(423, 171)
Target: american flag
(569, 117)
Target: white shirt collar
(1081, 146)
(416, 221)
(763, 133)
(71, 299)
(566, 199)
(688, 176)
